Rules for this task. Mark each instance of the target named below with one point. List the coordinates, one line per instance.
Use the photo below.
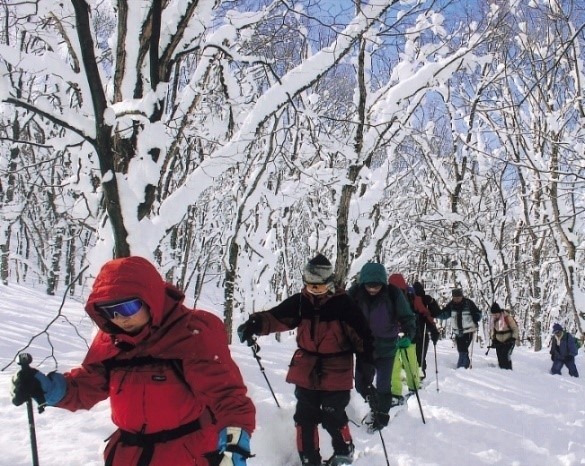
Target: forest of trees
(231, 140)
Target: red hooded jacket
(177, 370)
(397, 279)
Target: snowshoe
(399, 404)
(397, 401)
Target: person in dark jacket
(430, 302)
(388, 314)
(330, 328)
(563, 351)
(176, 395)
(465, 316)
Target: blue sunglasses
(123, 309)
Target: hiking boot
(341, 459)
(375, 421)
(311, 458)
(463, 360)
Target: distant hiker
(465, 316)
(563, 351)
(504, 335)
(430, 302)
(388, 314)
(330, 328)
(406, 359)
(175, 393)
(426, 329)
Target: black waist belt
(148, 441)
(328, 355)
(317, 371)
(145, 440)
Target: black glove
(44, 389)
(248, 329)
(25, 386)
(366, 369)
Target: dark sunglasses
(123, 309)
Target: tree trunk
(103, 143)
(55, 269)
(230, 286)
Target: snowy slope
(482, 416)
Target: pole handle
(24, 360)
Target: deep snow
(481, 416)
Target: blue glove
(234, 444)
(403, 342)
(44, 389)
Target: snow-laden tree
(162, 100)
(229, 141)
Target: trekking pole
(384, 448)
(436, 368)
(24, 360)
(415, 388)
(255, 347)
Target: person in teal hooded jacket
(388, 314)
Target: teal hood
(373, 273)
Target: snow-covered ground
(482, 416)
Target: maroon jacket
(177, 370)
(329, 330)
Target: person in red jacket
(425, 328)
(330, 328)
(176, 395)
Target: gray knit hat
(318, 270)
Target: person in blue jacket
(563, 351)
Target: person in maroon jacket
(425, 327)
(330, 328)
(176, 395)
